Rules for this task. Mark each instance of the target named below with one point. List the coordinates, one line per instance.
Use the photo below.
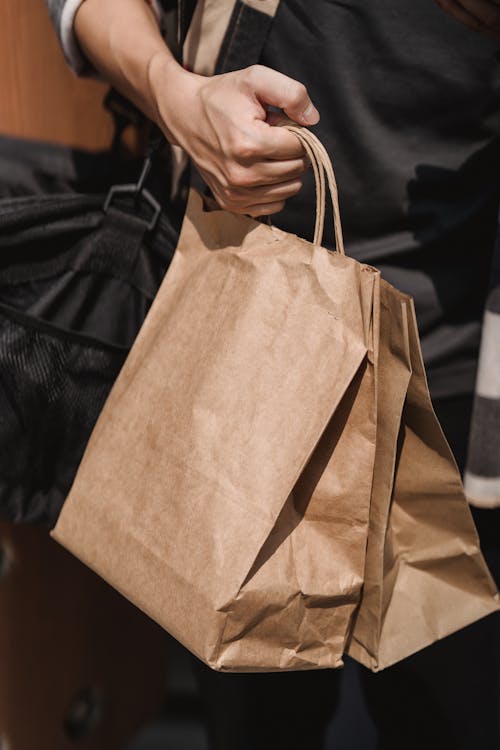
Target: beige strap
(269, 7)
(321, 165)
(206, 34)
(208, 28)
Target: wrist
(172, 90)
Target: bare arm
(220, 121)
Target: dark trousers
(447, 697)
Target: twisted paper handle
(322, 166)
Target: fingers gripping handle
(322, 166)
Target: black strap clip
(139, 192)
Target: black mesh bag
(77, 276)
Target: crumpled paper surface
(238, 484)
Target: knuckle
(278, 207)
(252, 71)
(233, 202)
(246, 180)
(268, 208)
(237, 197)
(296, 187)
(296, 93)
(303, 167)
(245, 149)
(235, 176)
(237, 208)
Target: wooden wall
(80, 667)
(39, 95)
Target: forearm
(122, 40)
(220, 121)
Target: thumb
(278, 90)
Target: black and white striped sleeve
(482, 475)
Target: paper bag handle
(321, 165)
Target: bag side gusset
(298, 599)
(439, 580)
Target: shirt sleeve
(62, 13)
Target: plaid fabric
(482, 475)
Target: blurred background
(80, 666)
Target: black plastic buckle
(138, 191)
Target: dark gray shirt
(410, 113)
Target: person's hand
(251, 166)
(221, 121)
(480, 15)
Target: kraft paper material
(268, 480)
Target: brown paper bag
(226, 488)
(198, 496)
(425, 576)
